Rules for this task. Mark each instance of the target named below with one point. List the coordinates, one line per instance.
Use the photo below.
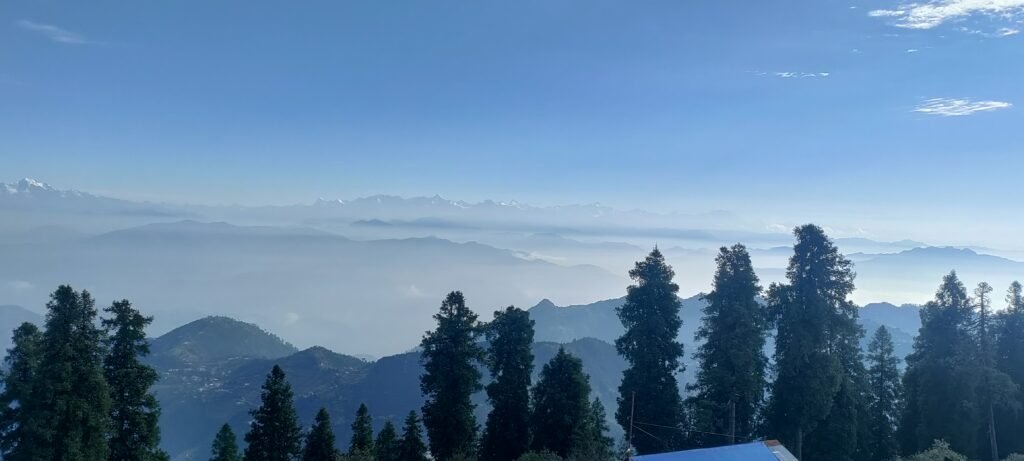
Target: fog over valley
(364, 276)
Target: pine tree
(816, 325)
(450, 354)
(387, 445)
(73, 396)
(987, 361)
(996, 388)
(411, 447)
(650, 345)
(320, 439)
(942, 376)
(274, 434)
(561, 406)
(1010, 361)
(135, 412)
(22, 433)
(595, 444)
(362, 432)
(886, 395)
(225, 446)
(729, 390)
(507, 434)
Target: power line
(684, 430)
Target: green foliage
(1014, 457)
(731, 358)
(942, 377)
(594, 443)
(939, 451)
(134, 411)
(358, 455)
(650, 344)
(815, 349)
(411, 447)
(450, 354)
(74, 400)
(22, 432)
(1009, 360)
(274, 434)
(561, 406)
(320, 440)
(507, 433)
(539, 456)
(886, 397)
(461, 456)
(362, 432)
(225, 446)
(387, 445)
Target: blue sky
(840, 111)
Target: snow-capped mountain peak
(26, 186)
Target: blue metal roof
(756, 451)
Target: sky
(885, 118)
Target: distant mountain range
(312, 286)
(215, 382)
(353, 275)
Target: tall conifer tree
(942, 376)
(387, 445)
(320, 444)
(22, 432)
(986, 359)
(274, 434)
(411, 447)
(729, 390)
(561, 406)
(450, 355)
(996, 389)
(814, 330)
(225, 445)
(362, 432)
(507, 433)
(1010, 361)
(74, 399)
(134, 411)
(650, 345)
(886, 395)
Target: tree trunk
(799, 443)
(992, 433)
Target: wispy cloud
(933, 13)
(950, 107)
(54, 33)
(1002, 32)
(795, 74)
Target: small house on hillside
(769, 450)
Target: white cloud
(54, 33)
(291, 318)
(913, 50)
(801, 74)
(949, 107)
(1002, 32)
(933, 13)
